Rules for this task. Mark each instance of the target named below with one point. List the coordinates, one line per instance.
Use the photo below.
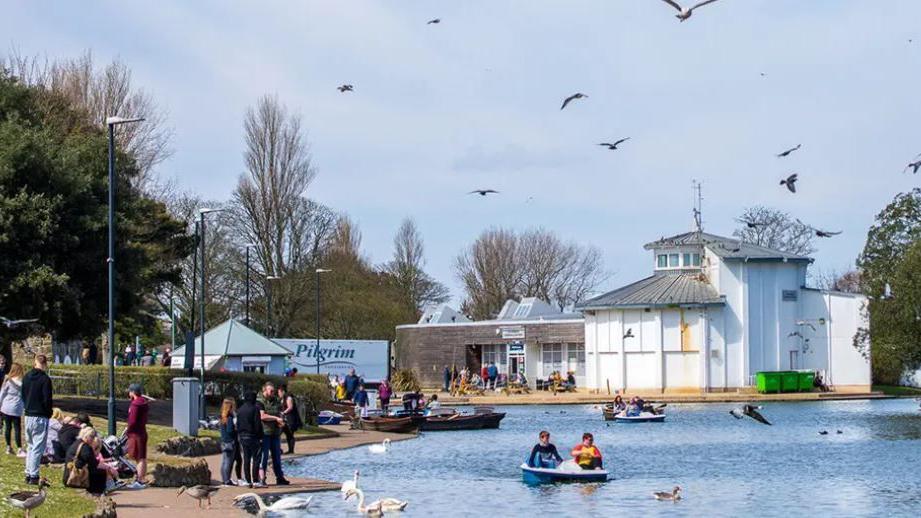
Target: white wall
(848, 366)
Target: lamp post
(111, 122)
(201, 223)
(317, 352)
(248, 246)
(268, 312)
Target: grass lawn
(62, 501)
(895, 390)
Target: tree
(501, 265)
(847, 282)
(407, 268)
(775, 229)
(98, 93)
(53, 225)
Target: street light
(248, 246)
(269, 279)
(201, 223)
(317, 352)
(111, 122)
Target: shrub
(405, 380)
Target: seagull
(572, 97)
(434, 20)
(383, 447)
(914, 167)
(345, 88)
(839, 432)
(823, 432)
(685, 13)
(750, 411)
(826, 233)
(751, 224)
(483, 192)
(787, 152)
(13, 323)
(795, 333)
(790, 182)
(674, 495)
(629, 333)
(616, 143)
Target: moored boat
(462, 422)
(329, 417)
(567, 471)
(346, 409)
(389, 424)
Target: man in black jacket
(249, 433)
(37, 395)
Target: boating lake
(725, 467)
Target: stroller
(114, 448)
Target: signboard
(512, 332)
(789, 295)
(369, 358)
(516, 347)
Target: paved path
(164, 503)
(574, 398)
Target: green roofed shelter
(231, 346)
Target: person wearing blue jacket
(544, 454)
(361, 401)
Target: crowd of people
(585, 454)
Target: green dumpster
(789, 381)
(806, 380)
(767, 382)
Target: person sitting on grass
(81, 454)
(544, 454)
(586, 454)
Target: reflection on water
(725, 467)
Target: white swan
(288, 503)
(377, 507)
(383, 447)
(348, 485)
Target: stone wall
(181, 474)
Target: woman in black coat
(81, 453)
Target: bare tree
(407, 268)
(490, 270)
(347, 240)
(847, 282)
(103, 92)
(775, 229)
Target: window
(686, 260)
(695, 259)
(551, 356)
(254, 368)
(576, 359)
(495, 354)
(662, 261)
(672, 260)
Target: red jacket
(137, 416)
(484, 372)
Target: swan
(289, 503)
(348, 485)
(377, 507)
(383, 447)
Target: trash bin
(789, 381)
(806, 380)
(767, 381)
(185, 405)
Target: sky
(473, 102)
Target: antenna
(698, 206)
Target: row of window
(672, 260)
(552, 359)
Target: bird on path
(13, 323)
(433, 21)
(674, 495)
(345, 88)
(629, 333)
(577, 95)
(483, 192)
(199, 492)
(685, 12)
(750, 411)
(787, 152)
(616, 143)
(826, 233)
(29, 500)
(914, 166)
(790, 182)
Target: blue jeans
(272, 444)
(37, 438)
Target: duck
(288, 503)
(349, 485)
(378, 507)
(28, 500)
(674, 495)
(383, 447)
(199, 492)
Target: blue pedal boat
(568, 471)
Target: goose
(28, 500)
(383, 447)
(199, 492)
(348, 485)
(377, 507)
(674, 495)
(288, 503)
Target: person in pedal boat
(544, 454)
(587, 455)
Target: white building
(716, 311)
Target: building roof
(725, 247)
(661, 289)
(441, 314)
(235, 339)
(528, 308)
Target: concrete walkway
(575, 398)
(163, 502)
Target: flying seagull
(572, 97)
(750, 411)
(826, 233)
(13, 323)
(685, 13)
(914, 166)
(787, 152)
(629, 333)
(345, 88)
(483, 192)
(616, 143)
(751, 223)
(435, 20)
(790, 182)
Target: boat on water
(567, 471)
(644, 417)
(463, 422)
(389, 424)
